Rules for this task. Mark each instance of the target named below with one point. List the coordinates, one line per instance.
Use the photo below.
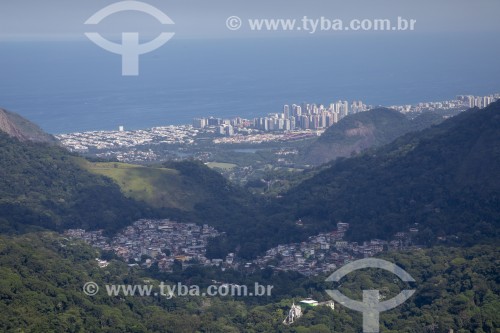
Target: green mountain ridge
(43, 186)
(444, 178)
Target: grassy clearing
(159, 187)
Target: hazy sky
(49, 19)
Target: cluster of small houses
(325, 252)
(155, 241)
(100, 140)
(164, 242)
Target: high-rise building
(270, 124)
(287, 125)
(297, 111)
(265, 124)
(236, 121)
(314, 121)
(471, 101)
(304, 122)
(286, 111)
(229, 130)
(478, 102)
(214, 121)
(323, 122)
(486, 101)
(337, 106)
(329, 119)
(280, 124)
(344, 108)
(357, 106)
(199, 122)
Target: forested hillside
(444, 178)
(42, 276)
(43, 186)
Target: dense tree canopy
(42, 275)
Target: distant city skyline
(315, 116)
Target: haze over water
(76, 86)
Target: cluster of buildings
(164, 242)
(155, 241)
(326, 252)
(106, 140)
(308, 116)
(294, 117)
(461, 102)
(316, 117)
(223, 126)
(130, 155)
(478, 101)
(267, 137)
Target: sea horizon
(74, 86)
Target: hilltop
(157, 186)
(358, 132)
(188, 191)
(22, 129)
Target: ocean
(76, 86)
